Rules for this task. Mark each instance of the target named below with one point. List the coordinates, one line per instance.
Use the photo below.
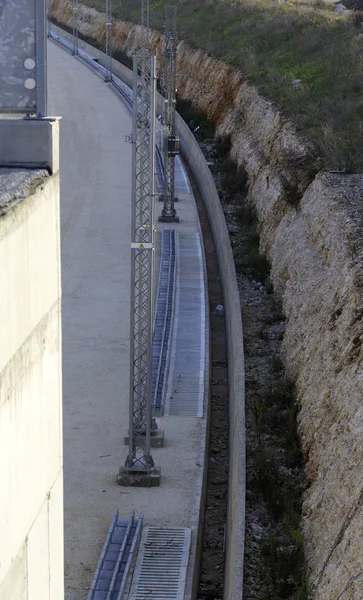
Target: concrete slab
(18, 184)
(95, 224)
(30, 143)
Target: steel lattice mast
(145, 27)
(49, 18)
(139, 467)
(75, 27)
(109, 39)
(171, 141)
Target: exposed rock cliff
(311, 231)
(317, 255)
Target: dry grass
(274, 44)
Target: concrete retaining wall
(193, 155)
(31, 495)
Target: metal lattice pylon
(75, 27)
(145, 27)
(142, 244)
(171, 141)
(49, 17)
(109, 39)
(139, 466)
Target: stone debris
(219, 311)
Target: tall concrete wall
(31, 497)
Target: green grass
(273, 45)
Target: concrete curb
(235, 526)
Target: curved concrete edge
(235, 526)
(117, 68)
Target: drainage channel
(211, 580)
(114, 565)
(163, 319)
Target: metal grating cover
(163, 319)
(185, 393)
(161, 565)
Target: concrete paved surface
(95, 216)
(95, 225)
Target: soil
(274, 562)
(212, 566)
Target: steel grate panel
(161, 566)
(185, 392)
(163, 319)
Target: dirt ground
(273, 551)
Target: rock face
(311, 230)
(316, 255)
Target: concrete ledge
(18, 184)
(134, 478)
(30, 143)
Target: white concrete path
(95, 236)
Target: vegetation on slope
(305, 58)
